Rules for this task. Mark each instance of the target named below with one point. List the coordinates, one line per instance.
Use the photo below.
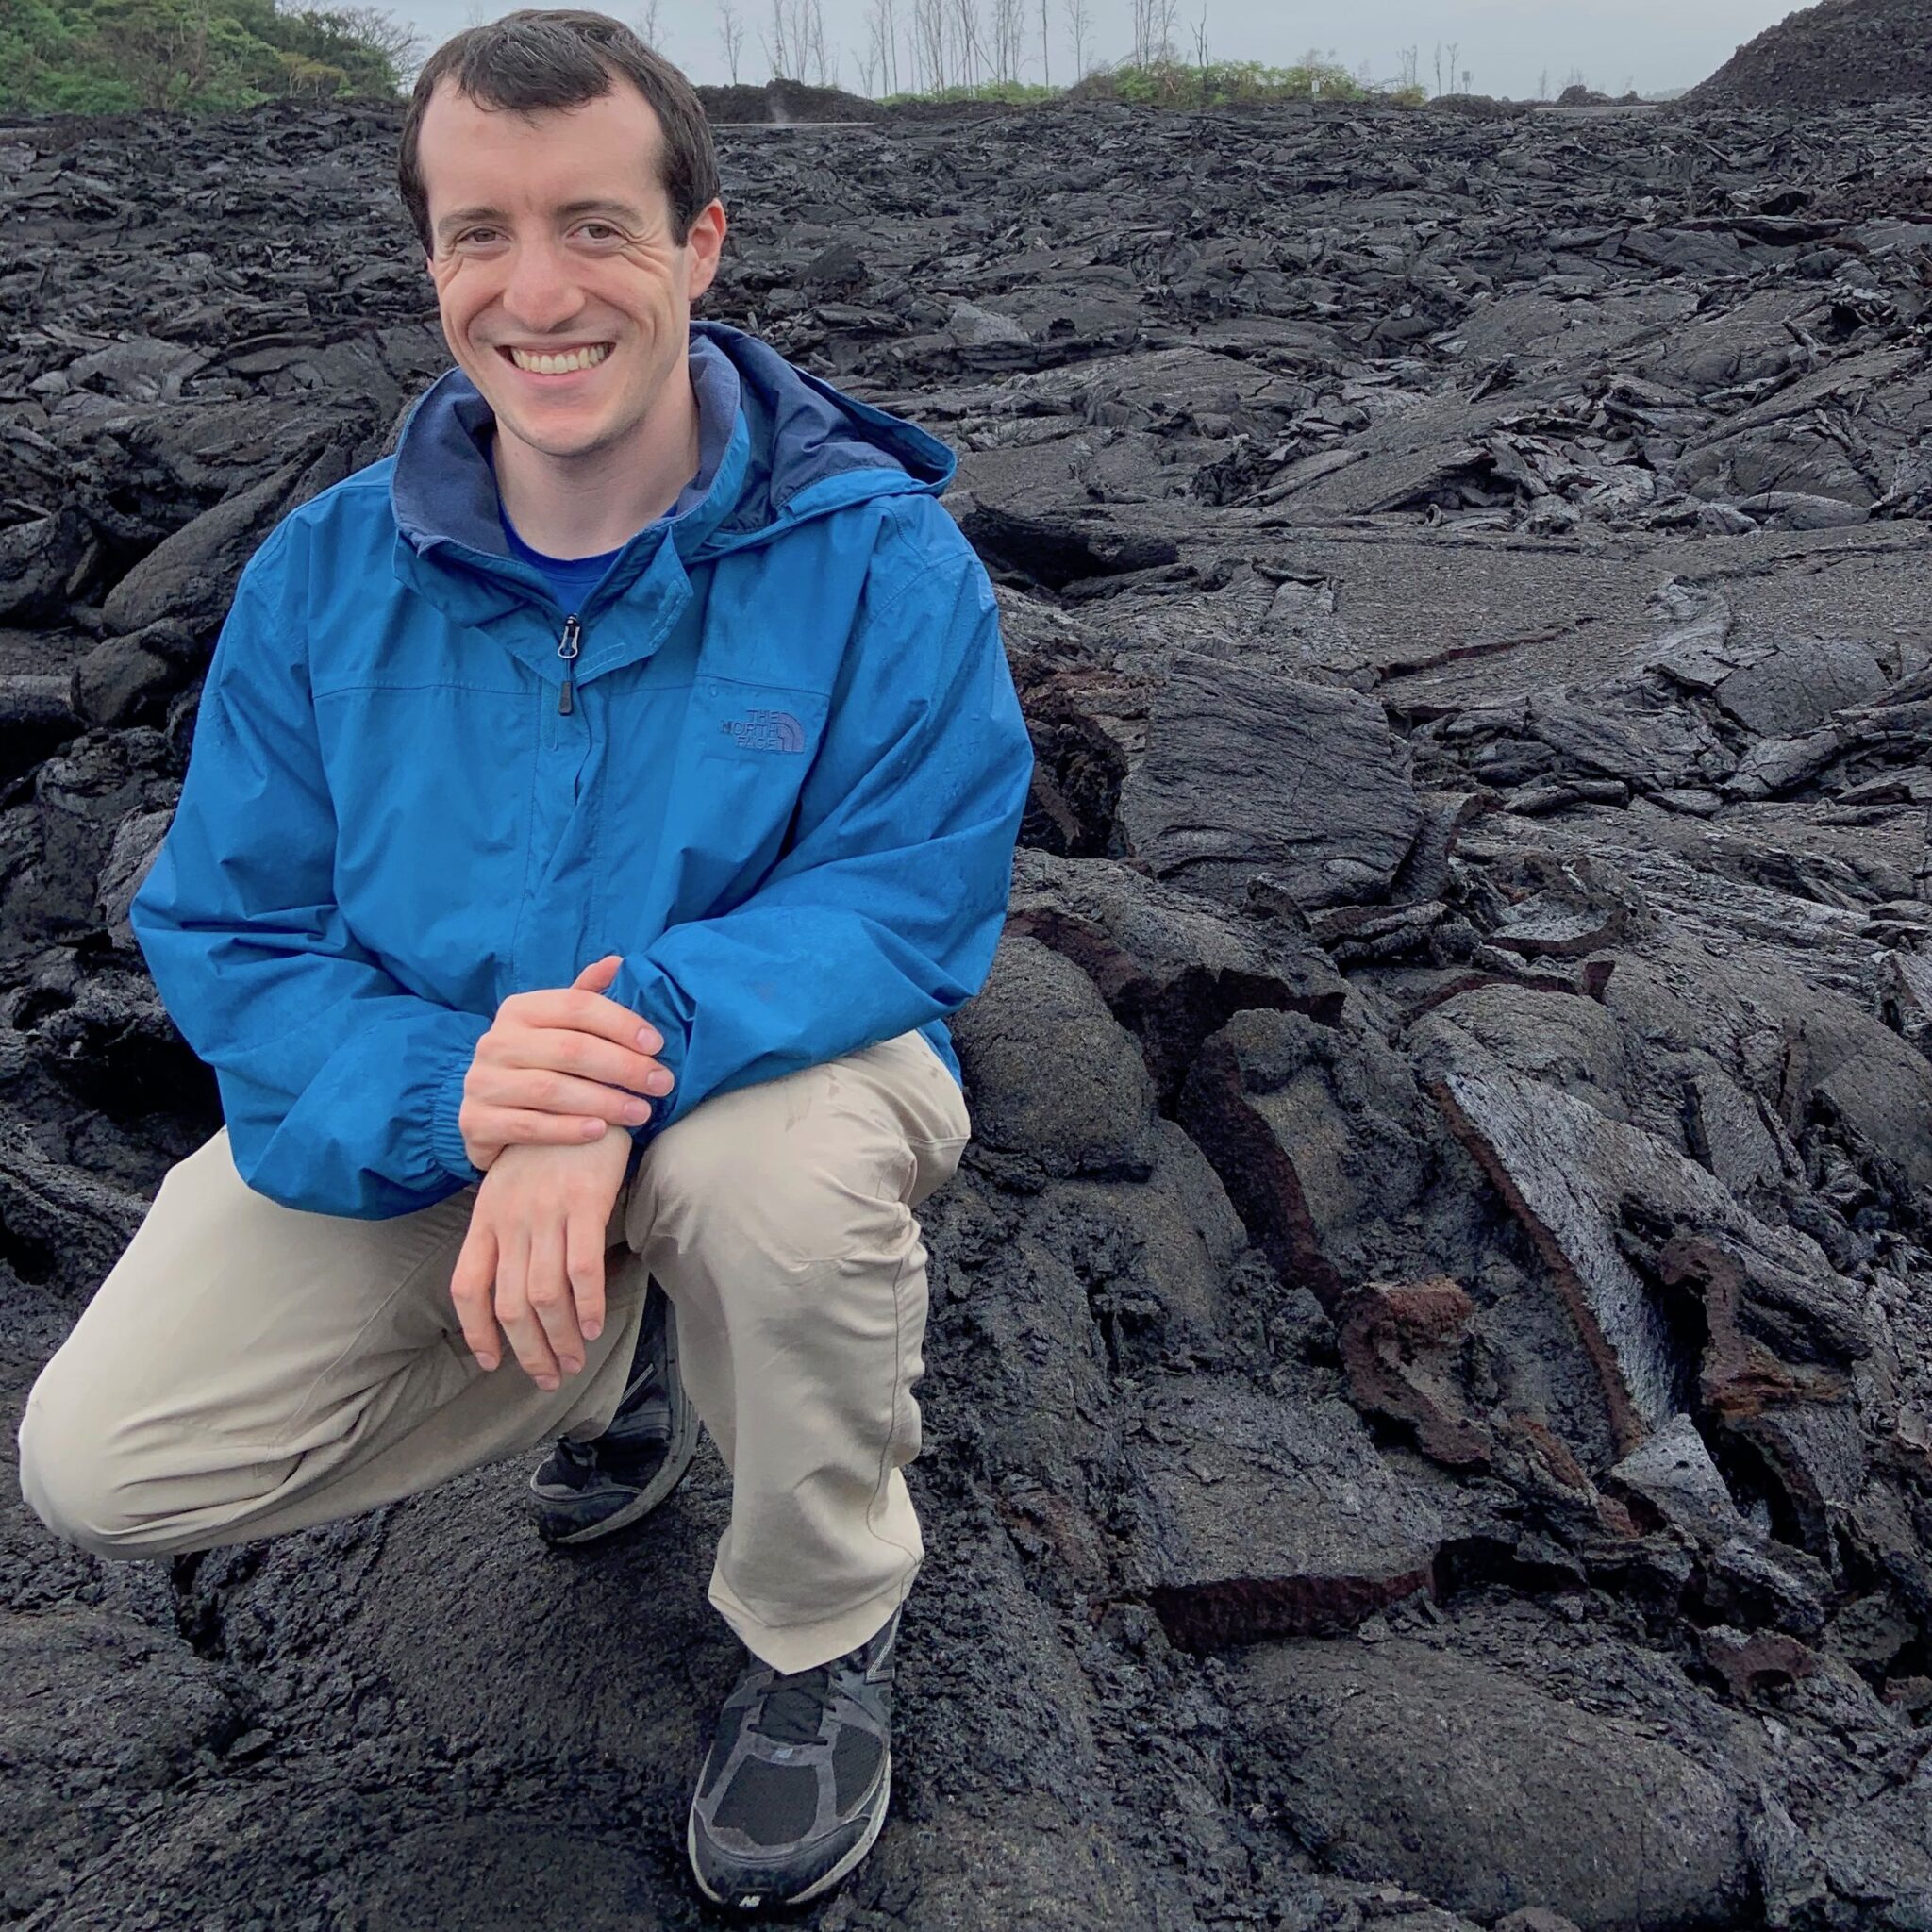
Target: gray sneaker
(582, 1490)
(797, 1782)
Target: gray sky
(1506, 45)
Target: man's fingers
(471, 1290)
(536, 1090)
(578, 1056)
(548, 1289)
(584, 1263)
(551, 1068)
(580, 1011)
(519, 1321)
(519, 1126)
(598, 974)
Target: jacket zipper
(567, 650)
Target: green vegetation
(1226, 84)
(1016, 93)
(106, 57)
(1173, 84)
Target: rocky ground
(1431, 1405)
(1838, 50)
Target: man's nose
(540, 287)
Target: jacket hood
(779, 443)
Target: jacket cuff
(445, 1131)
(647, 997)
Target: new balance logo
(766, 731)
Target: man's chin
(557, 434)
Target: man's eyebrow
(623, 209)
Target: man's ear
(706, 242)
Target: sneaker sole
(839, 1872)
(679, 1453)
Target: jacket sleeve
(340, 1087)
(884, 910)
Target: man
(594, 808)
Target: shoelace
(794, 1706)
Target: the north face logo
(766, 731)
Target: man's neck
(585, 506)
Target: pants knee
(785, 1198)
(786, 1246)
(69, 1480)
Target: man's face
(552, 233)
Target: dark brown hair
(561, 57)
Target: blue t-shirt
(572, 578)
(714, 383)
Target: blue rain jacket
(782, 776)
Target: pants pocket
(935, 1163)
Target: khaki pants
(247, 1368)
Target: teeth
(561, 365)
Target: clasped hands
(552, 1082)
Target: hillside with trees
(211, 56)
(104, 57)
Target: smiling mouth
(560, 362)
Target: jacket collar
(714, 382)
(779, 445)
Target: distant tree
(731, 33)
(395, 40)
(369, 50)
(650, 24)
(195, 56)
(1080, 24)
(819, 58)
(777, 42)
(168, 52)
(1005, 28)
(795, 43)
(882, 36)
(823, 53)
(931, 46)
(1155, 24)
(967, 47)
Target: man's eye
(486, 234)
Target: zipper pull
(567, 650)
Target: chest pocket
(755, 744)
